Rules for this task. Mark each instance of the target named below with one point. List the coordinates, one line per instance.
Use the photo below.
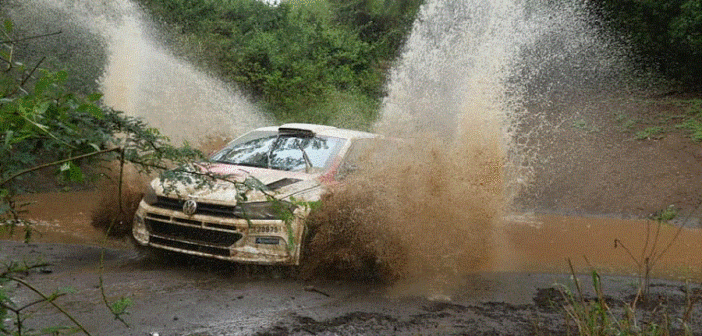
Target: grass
(688, 122)
(650, 133)
(626, 123)
(603, 316)
(692, 122)
(585, 126)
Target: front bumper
(268, 242)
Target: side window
(347, 166)
(359, 152)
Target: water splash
(468, 95)
(141, 76)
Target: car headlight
(264, 210)
(150, 197)
(139, 231)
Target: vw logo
(189, 207)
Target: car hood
(277, 183)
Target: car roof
(320, 130)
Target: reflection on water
(540, 243)
(545, 243)
(63, 217)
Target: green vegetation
(693, 118)
(603, 316)
(323, 61)
(327, 61)
(687, 121)
(43, 126)
(666, 35)
(648, 133)
(313, 61)
(585, 126)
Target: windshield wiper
(308, 162)
(270, 151)
(245, 164)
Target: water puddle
(534, 243)
(63, 217)
(544, 243)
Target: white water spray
(142, 77)
(477, 69)
(463, 94)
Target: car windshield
(282, 151)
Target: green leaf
(92, 109)
(120, 306)
(27, 234)
(74, 173)
(41, 86)
(254, 184)
(8, 26)
(8, 137)
(4, 207)
(66, 290)
(65, 167)
(59, 330)
(61, 76)
(94, 97)
(41, 108)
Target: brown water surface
(63, 217)
(534, 243)
(546, 242)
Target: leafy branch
(44, 125)
(56, 163)
(12, 41)
(45, 298)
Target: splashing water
(141, 76)
(462, 95)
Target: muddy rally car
(256, 213)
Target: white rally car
(290, 164)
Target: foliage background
(327, 61)
(665, 34)
(315, 61)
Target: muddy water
(533, 243)
(544, 243)
(63, 217)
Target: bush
(666, 35)
(296, 59)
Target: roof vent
(296, 131)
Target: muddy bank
(597, 159)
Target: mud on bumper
(255, 241)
